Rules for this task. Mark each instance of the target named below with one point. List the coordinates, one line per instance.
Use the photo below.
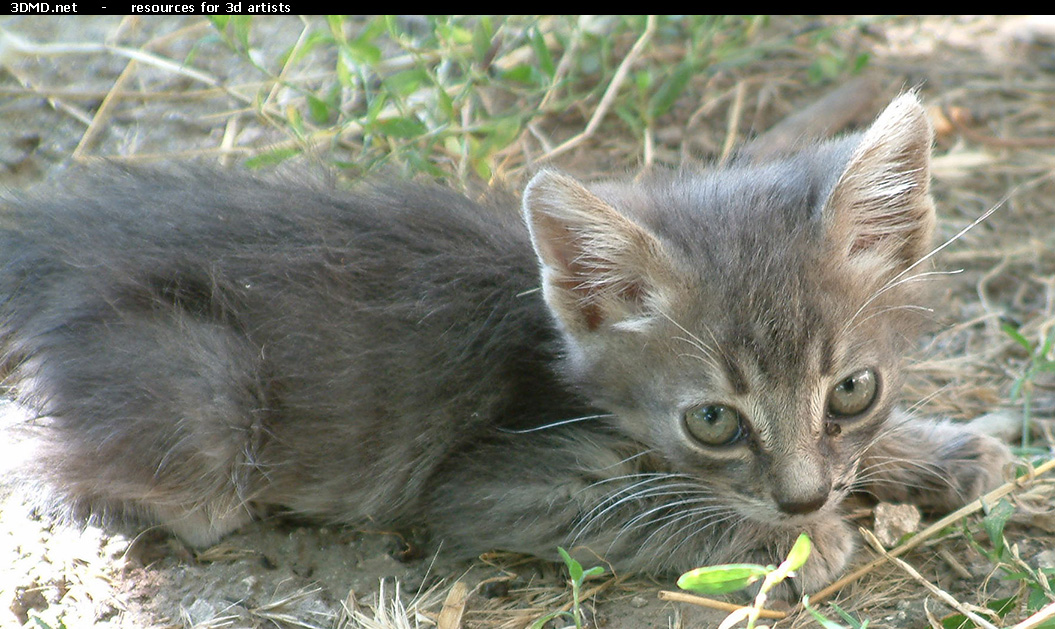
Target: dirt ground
(990, 84)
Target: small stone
(638, 602)
(1045, 559)
(892, 522)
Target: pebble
(1045, 559)
(892, 522)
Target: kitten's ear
(880, 208)
(598, 267)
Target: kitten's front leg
(937, 465)
(607, 502)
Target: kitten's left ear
(881, 206)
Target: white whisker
(563, 422)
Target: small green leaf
(1003, 606)
(240, 25)
(361, 52)
(444, 101)
(1037, 599)
(642, 80)
(459, 35)
(670, 90)
(319, 109)
(346, 69)
(271, 157)
(406, 82)
(399, 127)
(542, 54)
(522, 73)
(957, 621)
(336, 24)
(799, 552)
(860, 62)
(1016, 336)
(821, 619)
(574, 567)
(995, 521)
(854, 623)
(722, 579)
(499, 134)
(1049, 342)
(481, 37)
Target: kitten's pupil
(714, 424)
(853, 395)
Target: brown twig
(735, 113)
(692, 599)
(103, 112)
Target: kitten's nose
(801, 482)
(803, 504)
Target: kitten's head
(746, 324)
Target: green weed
(467, 96)
(827, 623)
(577, 576)
(1035, 591)
(1040, 360)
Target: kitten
(710, 367)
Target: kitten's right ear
(880, 210)
(598, 267)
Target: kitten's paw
(938, 466)
(833, 546)
(1005, 425)
(976, 464)
(834, 542)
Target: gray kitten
(710, 366)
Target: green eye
(714, 424)
(853, 395)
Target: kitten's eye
(853, 395)
(714, 424)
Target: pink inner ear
(881, 203)
(590, 279)
(871, 231)
(599, 264)
(556, 242)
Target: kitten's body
(198, 346)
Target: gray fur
(198, 346)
